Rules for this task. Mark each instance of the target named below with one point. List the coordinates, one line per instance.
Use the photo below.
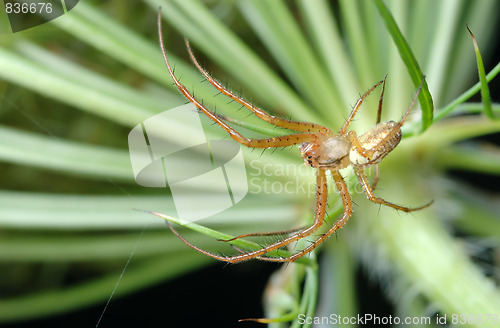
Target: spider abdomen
(369, 141)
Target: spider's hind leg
(376, 179)
(379, 111)
(343, 130)
(386, 141)
(360, 173)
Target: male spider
(320, 148)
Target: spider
(320, 148)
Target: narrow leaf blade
(410, 62)
(485, 91)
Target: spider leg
(243, 251)
(281, 122)
(257, 234)
(396, 129)
(360, 173)
(346, 201)
(398, 126)
(379, 111)
(376, 179)
(343, 130)
(282, 141)
(212, 255)
(321, 196)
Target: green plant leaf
(485, 90)
(240, 243)
(274, 24)
(446, 110)
(410, 61)
(62, 155)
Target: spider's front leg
(309, 131)
(274, 120)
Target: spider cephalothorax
(320, 148)
(332, 153)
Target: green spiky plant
(73, 88)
